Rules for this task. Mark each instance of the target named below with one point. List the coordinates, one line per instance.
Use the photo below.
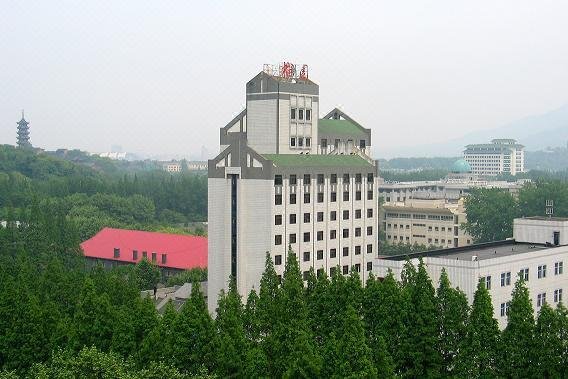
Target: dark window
(358, 178)
(293, 113)
(333, 197)
(336, 142)
(357, 232)
(369, 195)
(164, 258)
(332, 234)
(116, 252)
(319, 272)
(307, 179)
(305, 275)
(308, 114)
(308, 142)
(332, 216)
(292, 198)
(320, 197)
(357, 213)
(345, 233)
(358, 250)
(278, 199)
(324, 143)
(277, 260)
(134, 255)
(333, 179)
(362, 144)
(556, 237)
(370, 177)
(307, 237)
(306, 256)
(278, 220)
(369, 266)
(300, 141)
(306, 198)
(301, 114)
(293, 180)
(320, 255)
(278, 239)
(292, 218)
(154, 257)
(345, 270)
(333, 253)
(369, 249)
(277, 180)
(346, 215)
(346, 196)
(369, 230)
(292, 238)
(306, 217)
(358, 195)
(345, 251)
(293, 141)
(358, 267)
(144, 254)
(369, 212)
(320, 178)
(320, 216)
(345, 178)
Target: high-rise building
(285, 178)
(501, 156)
(24, 133)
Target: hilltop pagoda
(24, 133)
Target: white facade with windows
(498, 265)
(501, 156)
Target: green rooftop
(339, 127)
(309, 160)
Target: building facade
(501, 156)
(498, 264)
(279, 183)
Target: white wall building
(280, 182)
(498, 264)
(501, 156)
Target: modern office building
(424, 222)
(286, 178)
(537, 251)
(501, 156)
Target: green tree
(147, 274)
(547, 351)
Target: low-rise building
(536, 252)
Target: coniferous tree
(452, 319)
(158, 344)
(562, 317)
(478, 352)
(547, 350)
(517, 340)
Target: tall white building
(501, 156)
(284, 178)
(537, 251)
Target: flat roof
(483, 251)
(545, 218)
(316, 160)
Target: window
(292, 198)
(558, 295)
(308, 114)
(332, 215)
(333, 197)
(308, 142)
(164, 258)
(345, 251)
(306, 198)
(319, 235)
(358, 195)
(558, 268)
(369, 230)
(369, 266)
(357, 232)
(345, 178)
(319, 272)
(292, 238)
(333, 179)
(505, 279)
(370, 177)
(324, 144)
(369, 249)
(345, 270)
(358, 178)
(345, 233)
(305, 275)
(320, 197)
(293, 113)
(144, 254)
(292, 218)
(277, 180)
(333, 253)
(300, 141)
(320, 178)
(504, 309)
(346, 196)
(300, 114)
(277, 199)
(362, 144)
(154, 257)
(116, 252)
(278, 220)
(306, 256)
(319, 216)
(486, 280)
(524, 273)
(293, 141)
(540, 299)
(369, 195)
(134, 255)
(370, 213)
(277, 260)
(278, 239)
(346, 215)
(332, 234)
(358, 250)
(541, 272)
(293, 180)
(306, 218)
(357, 213)
(307, 179)
(307, 237)
(358, 267)
(319, 255)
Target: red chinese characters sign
(287, 70)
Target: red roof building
(169, 251)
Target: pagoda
(24, 133)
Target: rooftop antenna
(549, 208)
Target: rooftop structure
(24, 133)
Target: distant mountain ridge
(536, 132)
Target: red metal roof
(182, 252)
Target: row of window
(332, 270)
(293, 179)
(420, 216)
(402, 226)
(362, 143)
(524, 273)
(540, 301)
(300, 142)
(307, 256)
(319, 235)
(320, 195)
(320, 215)
(300, 112)
(154, 256)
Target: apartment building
(285, 178)
(501, 156)
(425, 222)
(537, 251)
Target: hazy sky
(162, 77)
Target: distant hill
(537, 132)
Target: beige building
(424, 222)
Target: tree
(479, 350)
(547, 351)
(147, 274)
(517, 340)
(158, 344)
